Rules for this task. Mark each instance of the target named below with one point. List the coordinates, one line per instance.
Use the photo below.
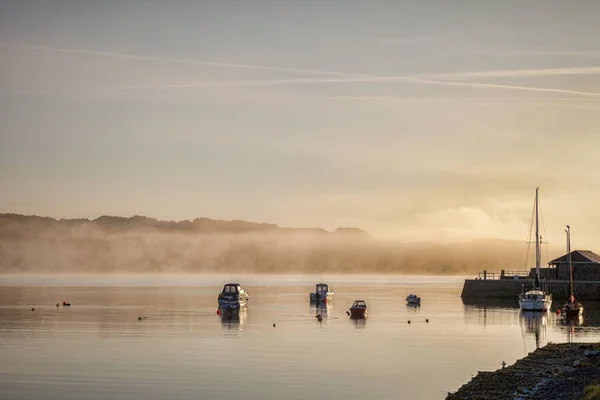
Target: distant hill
(114, 224)
(31, 244)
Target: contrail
(340, 77)
(510, 87)
(408, 79)
(539, 72)
(519, 73)
(541, 53)
(126, 56)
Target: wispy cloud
(445, 79)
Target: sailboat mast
(569, 257)
(537, 236)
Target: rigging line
(529, 237)
(543, 227)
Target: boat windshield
(359, 303)
(230, 289)
(321, 288)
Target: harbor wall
(510, 289)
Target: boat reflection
(413, 307)
(320, 308)
(533, 326)
(234, 320)
(320, 311)
(490, 303)
(570, 323)
(359, 323)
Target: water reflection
(491, 303)
(320, 308)
(359, 323)
(533, 328)
(570, 323)
(413, 308)
(490, 312)
(234, 320)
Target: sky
(413, 120)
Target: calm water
(97, 348)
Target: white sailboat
(536, 299)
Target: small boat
(321, 293)
(572, 308)
(233, 297)
(358, 310)
(536, 299)
(413, 299)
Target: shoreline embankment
(556, 371)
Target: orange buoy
(219, 312)
(557, 312)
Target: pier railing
(516, 275)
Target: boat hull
(227, 305)
(572, 312)
(535, 305)
(232, 303)
(358, 313)
(320, 297)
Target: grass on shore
(592, 392)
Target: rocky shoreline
(556, 371)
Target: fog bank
(142, 245)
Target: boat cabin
(359, 304)
(533, 295)
(232, 288)
(233, 295)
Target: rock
(555, 372)
(591, 353)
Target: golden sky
(412, 120)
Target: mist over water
(142, 245)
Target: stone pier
(510, 289)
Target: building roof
(578, 257)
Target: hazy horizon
(410, 120)
(112, 245)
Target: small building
(586, 266)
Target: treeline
(139, 244)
